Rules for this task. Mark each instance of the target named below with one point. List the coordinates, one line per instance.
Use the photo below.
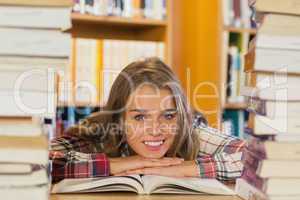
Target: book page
(161, 184)
(101, 184)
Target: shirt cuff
(206, 167)
(101, 166)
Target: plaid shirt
(219, 157)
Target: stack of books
(33, 50)
(123, 8)
(32, 38)
(272, 160)
(23, 159)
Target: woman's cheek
(134, 131)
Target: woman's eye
(139, 117)
(169, 116)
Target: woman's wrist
(191, 168)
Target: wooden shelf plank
(120, 28)
(240, 30)
(235, 106)
(119, 21)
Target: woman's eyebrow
(171, 110)
(138, 110)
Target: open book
(143, 185)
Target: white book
(34, 42)
(279, 169)
(22, 63)
(158, 9)
(275, 109)
(20, 103)
(288, 138)
(38, 80)
(127, 8)
(143, 185)
(87, 55)
(35, 17)
(248, 192)
(149, 9)
(226, 12)
(160, 50)
(26, 193)
(278, 42)
(269, 126)
(272, 93)
(22, 129)
(234, 73)
(281, 6)
(277, 60)
(24, 149)
(276, 80)
(38, 177)
(245, 14)
(274, 150)
(13, 168)
(278, 24)
(282, 187)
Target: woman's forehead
(149, 97)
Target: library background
(237, 61)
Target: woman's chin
(152, 154)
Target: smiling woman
(146, 127)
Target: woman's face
(151, 121)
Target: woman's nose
(153, 128)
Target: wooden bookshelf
(113, 27)
(251, 31)
(121, 28)
(191, 33)
(233, 46)
(117, 21)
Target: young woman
(146, 127)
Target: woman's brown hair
(101, 125)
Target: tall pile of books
(33, 48)
(272, 159)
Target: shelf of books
(238, 30)
(107, 36)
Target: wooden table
(130, 196)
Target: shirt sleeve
(70, 160)
(220, 155)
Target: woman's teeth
(154, 144)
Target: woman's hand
(185, 169)
(120, 166)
